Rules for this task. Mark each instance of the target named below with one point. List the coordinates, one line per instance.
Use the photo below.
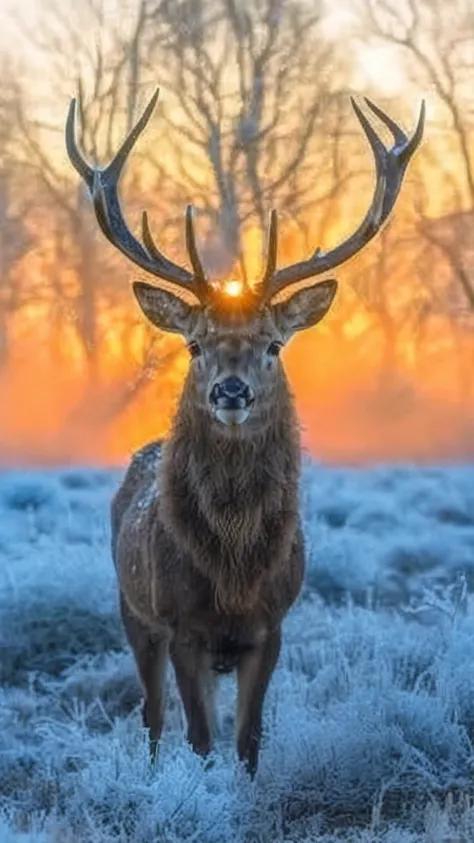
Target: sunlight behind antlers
(233, 288)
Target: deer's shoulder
(139, 487)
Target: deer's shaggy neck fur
(231, 502)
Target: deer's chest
(224, 638)
(227, 635)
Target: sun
(233, 288)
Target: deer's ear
(165, 310)
(304, 308)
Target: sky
(372, 61)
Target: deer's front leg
(253, 676)
(192, 669)
(151, 656)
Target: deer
(206, 529)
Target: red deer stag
(206, 532)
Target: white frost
(372, 700)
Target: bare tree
(252, 99)
(108, 101)
(436, 42)
(15, 239)
(254, 114)
(252, 96)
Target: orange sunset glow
(233, 288)
(388, 375)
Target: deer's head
(234, 343)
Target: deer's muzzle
(231, 400)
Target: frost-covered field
(370, 717)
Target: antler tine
(103, 188)
(272, 253)
(399, 136)
(192, 249)
(116, 165)
(390, 168)
(77, 160)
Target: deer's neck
(232, 504)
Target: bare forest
(254, 114)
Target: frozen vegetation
(369, 719)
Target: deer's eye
(194, 349)
(274, 349)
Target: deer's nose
(233, 387)
(232, 394)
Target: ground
(370, 717)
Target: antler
(390, 167)
(103, 189)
